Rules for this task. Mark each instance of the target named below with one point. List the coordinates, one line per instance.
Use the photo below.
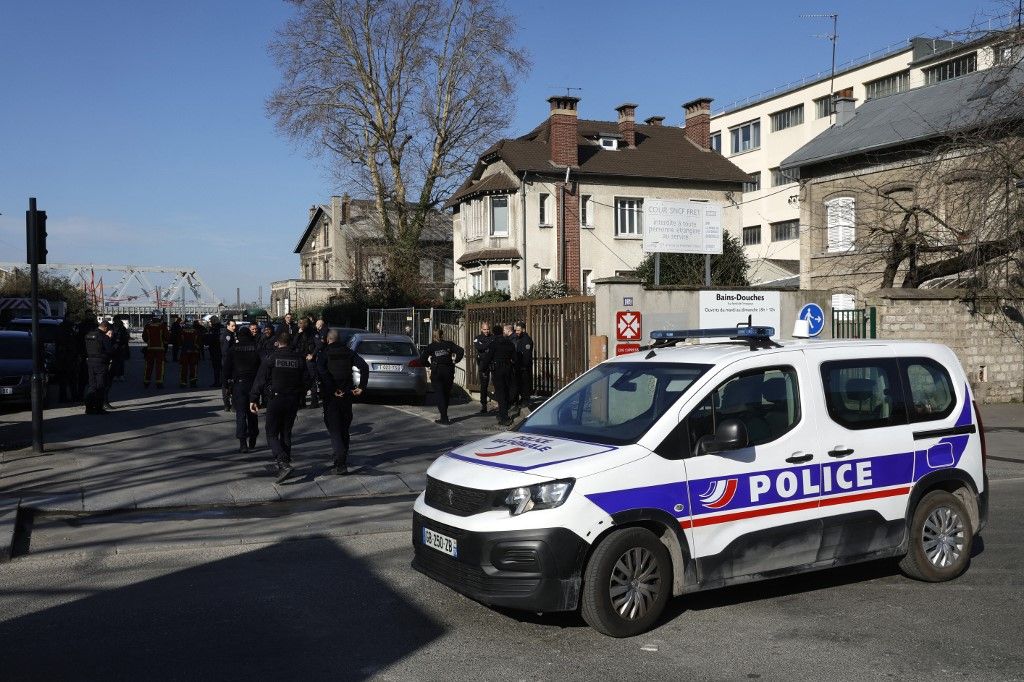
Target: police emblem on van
(719, 493)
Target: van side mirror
(731, 434)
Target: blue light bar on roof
(715, 333)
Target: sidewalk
(175, 448)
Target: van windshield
(614, 403)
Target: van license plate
(388, 368)
(442, 543)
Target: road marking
(411, 413)
(1005, 480)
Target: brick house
(341, 245)
(931, 148)
(565, 201)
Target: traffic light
(35, 237)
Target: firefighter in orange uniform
(191, 337)
(155, 335)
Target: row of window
(778, 177)
(781, 231)
(500, 280)
(430, 270)
(628, 216)
(311, 270)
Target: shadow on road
(258, 615)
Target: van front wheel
(940, 539)
(627, 583)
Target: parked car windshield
(614, 403)
(15, 348)
(402, 348)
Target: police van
(690, 467)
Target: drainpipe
(561, 226)
(526, 270)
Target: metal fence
(560, 328)
(417, 323)
(854, 324)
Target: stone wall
(977, 332)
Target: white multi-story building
(759, 133)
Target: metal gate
(416, 323)
(560, 328)
(854, 324)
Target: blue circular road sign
(815, 317)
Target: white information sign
(682, 226)
(729, 308)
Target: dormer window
(609, 143)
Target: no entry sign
(628, 325)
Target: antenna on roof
(834, 36)
(568, 90)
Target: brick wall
(571, 232)
(980, 340)
(564, 149)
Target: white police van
(689, 468)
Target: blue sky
(140, 125)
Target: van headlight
(540, 496)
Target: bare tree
(402, 94)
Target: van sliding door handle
(840, 453)
(796, 458)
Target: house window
(889, 85)
(588, 282)
(787, 229)
(751, 235)
(327, 236)
(476, 283)
(449, 270)
(716, 141)
(542, 204)
(312, 270)
(746, 137)
(499, 281)
(839, 222)
(629, 217)
(327, 269)
(609, 143)
(787, 118)
(1007, 53)
(585, 210)
(954, 68)
(426, 270)
(784, 177)
(545, 274)
(754, 183)
(823, 107)
(499, 216)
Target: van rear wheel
(627, 583)
(941, 538)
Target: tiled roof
(364, 224)
(496, 182)
(932, 111)
(489, 255)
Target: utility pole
(35, 234)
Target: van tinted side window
(930, 393)
(864, 394)
(767, 401)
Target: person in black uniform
(227, 339)
(212, 340)
(288, 325)
(500, 359)
(305, 344)
(441, 357)
(481, 343)
(99, 349)
(281, 374)
(175, 337)
(334, 365)
(66, 359)
(241, 363)
(524, 364)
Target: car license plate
(6, 391)
(388, 368)
(442, 543)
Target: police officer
(305, 345)
(441, 357)
(99, 349)
(227, 339)
(481, 343)
(175, 337)
(524, 364)
(281, 375)
(500, 359)
(241, 363)
(212, 340)
(334, 365)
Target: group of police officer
(505, 357)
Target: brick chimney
(654, 120)
(698, 122)
(564, 122)
(627, 123)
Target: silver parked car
(394, 363)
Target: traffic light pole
(37, 347)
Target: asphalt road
(219, 596)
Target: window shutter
(839, 222)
